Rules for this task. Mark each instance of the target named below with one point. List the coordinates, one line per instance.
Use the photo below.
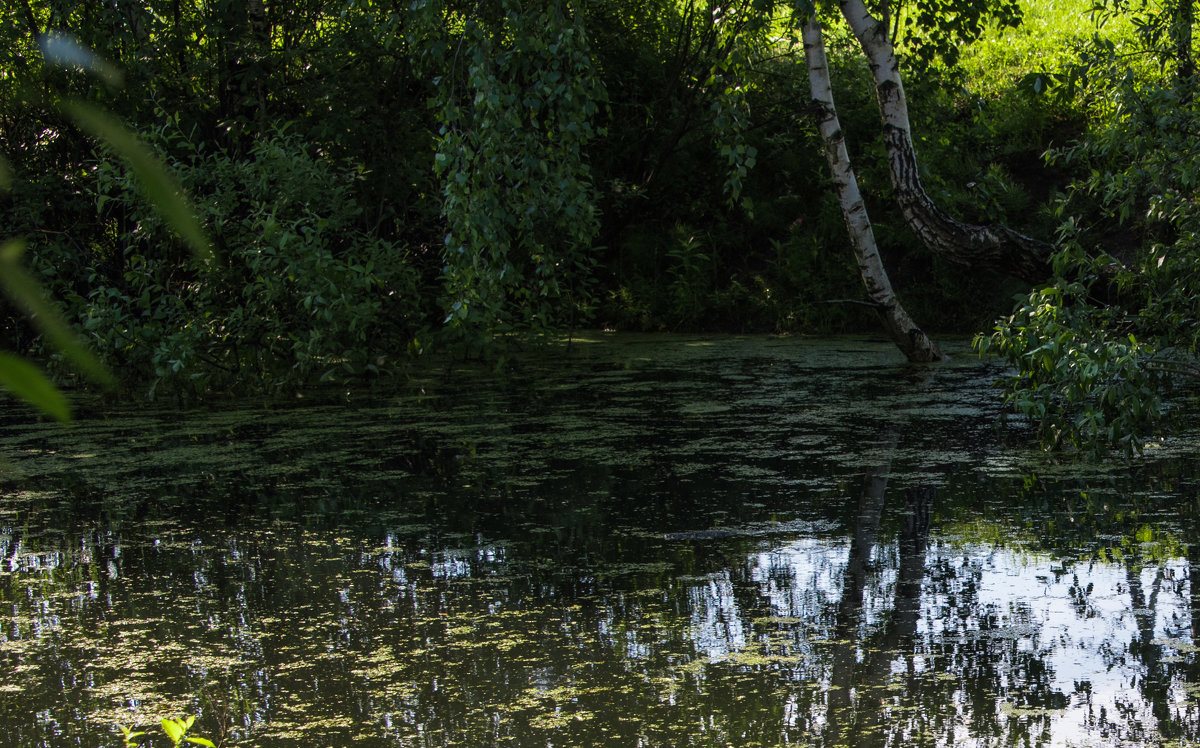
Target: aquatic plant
(175, 728)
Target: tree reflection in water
(963, 644)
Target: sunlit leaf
(163, 192)
(28, 294)
(173, 729)
(200, 741)
(65, 51)
(27, 382)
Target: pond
(630, 541)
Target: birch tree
(905, 333)
(997, 248)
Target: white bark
(911, 340)
(993, 247)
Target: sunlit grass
(1050, 33)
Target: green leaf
(174, 730)
(28, 294)
(129, 734)
(27, 382)
(200, 741)
(163, 192)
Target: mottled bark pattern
(909, 338)
(992, 247)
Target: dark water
(637, 542)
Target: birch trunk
(909, 338)
(992, 247)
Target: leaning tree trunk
(992, 247)
(909, 338)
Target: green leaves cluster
(175, 728)
(516, 104)
(299, 292)
(741, 33)
(1101, 350)
(1082, 378)
(936, 30)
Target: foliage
(28, 294)
(147, 173)
(516, 101)
(1162, 28)
(939, 30)
(174, 728)
(299, 292)
(1099, 349)
(278, 303)
(1081, 377)
(16, 374)
(642, 163)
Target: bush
(299, 290)
(1098, 350)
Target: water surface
(656, 541)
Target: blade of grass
(29, 295)
(27, 382)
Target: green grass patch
(1048, 39)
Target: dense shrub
(298, 290)
(452, 172)
(1098, 350)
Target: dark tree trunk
(1185, 63)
